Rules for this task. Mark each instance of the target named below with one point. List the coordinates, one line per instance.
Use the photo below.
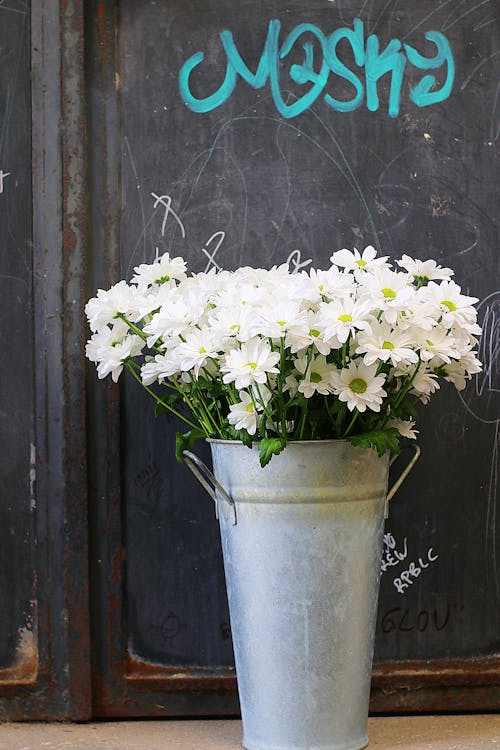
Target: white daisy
(387, 344)
(175, 318)
(437, 343)
(354, 261)
(424, 270)
(454, 306)
(459, 372)
(160, 367)
(404, 427)
(388, 291)
(306, 332)
(195, 351)
(164, 270)
(244, 415)
(317, 285)
(424, 384)
(237, 322)
(315, 375)
(359, 386)
(251, 363)
(277, 317)
(342, 317)
(109, 349)
(106, 307)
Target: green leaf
(381, 440)
(241, 435)
(185, 441)
(269, 447)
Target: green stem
(325, 398)
(138, 332)
(303, 419)
(351, 424)
(344, 352)
(206, 411)
(340, 418)
(159, 400)
(266, 412)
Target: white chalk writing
(408, 577)
(3, 175)
(391, 556)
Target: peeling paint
(32, 476)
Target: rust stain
(147, 676)
(100, 14)
(101, 31)
(445, 672)
(117, 566)
(24, 671)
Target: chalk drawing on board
(480, 402)
(166, 202)
(3, 175)
(218, 239)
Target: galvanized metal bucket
(302, 545)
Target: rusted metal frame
(61, 686)
(437, 685)
(103, 406)
(73, 110)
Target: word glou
(315, 73)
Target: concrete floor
(387, 733)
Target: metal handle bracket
(209, 482)
(397, 484)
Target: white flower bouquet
(274, 356)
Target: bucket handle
(209, 482)
(205, 477)
(397, 484)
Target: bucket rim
(335, 441)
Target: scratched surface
(16, 372)
(249, 186)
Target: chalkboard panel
(252, 185)
(17, 620)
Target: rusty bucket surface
(302, 545)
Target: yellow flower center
(202, 350)
(313, 332)
(251, 365)
(450, 305)
(388, 293)
(358, 385)
(387, 345)
(345, 318)
(281, 322)
(249, 408)
(361, 263)
(315, 377)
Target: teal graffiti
(321, 64)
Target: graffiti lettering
(406, 621)
(376, 63)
